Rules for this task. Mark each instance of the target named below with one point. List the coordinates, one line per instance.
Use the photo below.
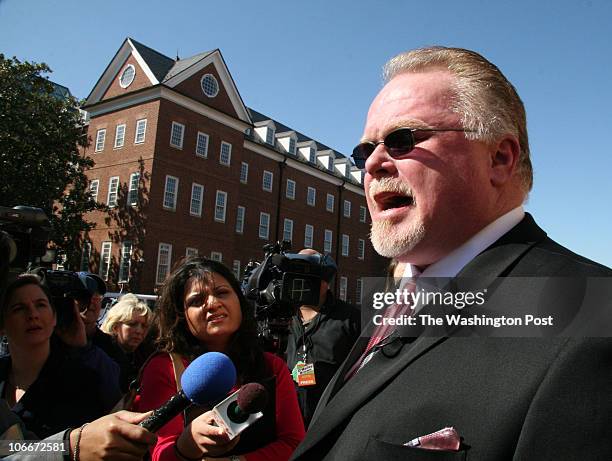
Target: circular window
(127, 76)
(210, 86)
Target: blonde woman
(128, 322)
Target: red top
(158, 385)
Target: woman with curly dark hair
(202, 309)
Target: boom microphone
(207, 379)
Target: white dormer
(342, 166)
(288, 140)
(326, 158)
(266, 131)
(357, 174)
(308, 150)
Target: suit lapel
(340, 400)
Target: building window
(119, 136)
(311, 196)
(226, 153)
(343, 288)
(264, 225)
(210, 86)
(345, 245)
(85, 255)
(362, 213)
(330, 164)
(270, 136)
(164, 258)
(329, 204)
(327, 242)
(141, 130)
(202, 145)
(100, 138)
(267, 181)
(113, 187)
(132, 198)
(216, 256)
(240, 211)
(288, 230)
(125, 262)
(170, 192)
(361, 248)
(290, 191)
(292, 146)
(177, 134)
(220, 203)
(236, 268)
(244, 172)
(94, 187)
(308, 233)
(127, 76)
(358, 292)
(105, 258)
(197, 195)
(190, 251)
(347, 209)
(313, 155)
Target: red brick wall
(140, 80)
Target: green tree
(41, 163)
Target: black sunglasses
(398, 142)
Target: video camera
(280, 285)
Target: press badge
(306, 375)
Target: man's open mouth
(390, 200)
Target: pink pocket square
(444, 439)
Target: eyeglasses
(398, 142)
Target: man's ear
(504, 160)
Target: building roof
(159, 64)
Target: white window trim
(105, 260)
(358, 291)
(267, 235)
(246, 170)
(117, 145)
(101, 133)
(308, 235)
(229, 154)
(290, 196)
(110, 191)
(263, 181)
(361, 249)
(159, 248)
(314, 196)
(177, 146)
(241, 229)
(205, 153)
(363, 213)
(85, 256)
(345, 240)
(347, 209)
(288, 228)
(343, 288)
(131, 190)
(328, 198)
(142, 121)
(94, 197)
(216, 256)
(121, 84)
(191, 251)
(122, 277)
(173, 207)
(325, 240)
(194, 186)
(223, 194)
(236, 268)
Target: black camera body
(280, 284)
(24, 234)
(65, 288)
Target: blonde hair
(487, 102)
(124, 311)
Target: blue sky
(315, 66)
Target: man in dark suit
(446, 157)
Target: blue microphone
(207, 379)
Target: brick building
(186, 167)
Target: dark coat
(509, 398)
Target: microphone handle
(176, 404)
